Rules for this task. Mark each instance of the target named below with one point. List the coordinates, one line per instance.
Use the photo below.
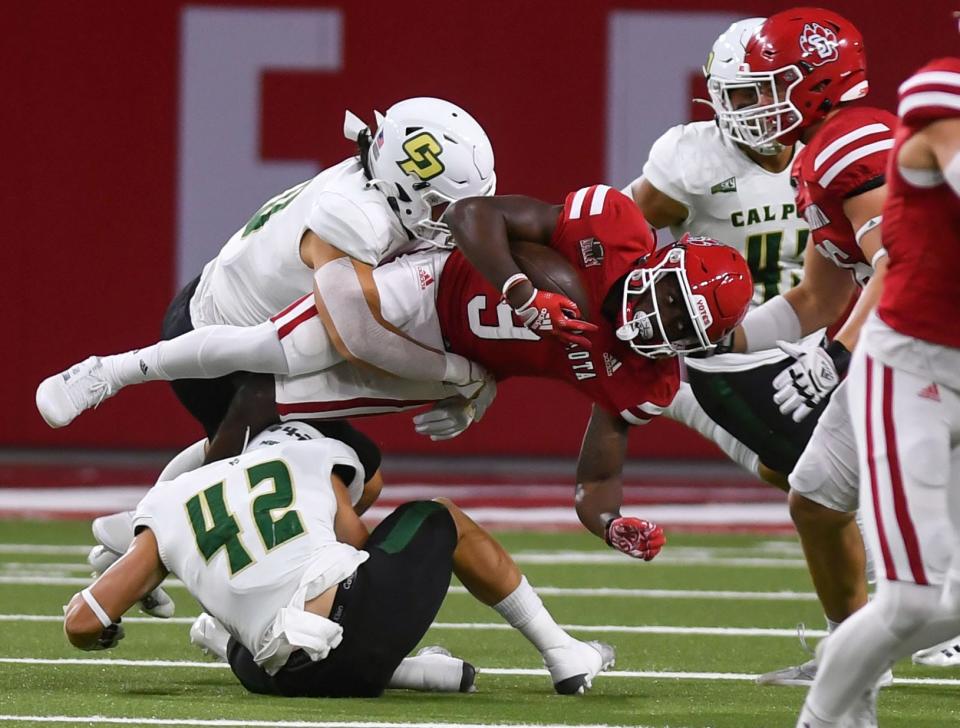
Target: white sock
(686, 410)
(205, 353)
(524, 610)
(186, 460)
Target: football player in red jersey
(650, 305)
(905, 400)
(803, 67)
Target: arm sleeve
(349, 306)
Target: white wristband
(526, 305)
(769, 323)
(95, 607)
(867, 227)
(511, 282)
(877, 256)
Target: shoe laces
(802, 636)
(96, 385)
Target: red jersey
(846, 157)
(602, 234)
(921, 219)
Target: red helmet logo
(819, 43)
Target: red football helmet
(798, 66)
(685, 298)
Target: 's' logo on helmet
(423, 156)
(819, 43)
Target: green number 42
(215, 527)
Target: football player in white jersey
(325, 234)
(269, 543)
(700, 178)
(697, 181)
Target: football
(550, 271)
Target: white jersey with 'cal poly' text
(245, 535)
(732, 199)
(259, 271)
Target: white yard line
(509, 671)
(549, 591)
(44, 549)
(106, 720)
(762, 555)
(215, 723)
(502, 626)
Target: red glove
(552, 314)
(634, 537)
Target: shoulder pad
(360, 228)
(931, 94)
(850, 151)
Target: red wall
(89, 132)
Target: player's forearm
(849, 333)
(598, 502)
(480, 231)
(349, 306)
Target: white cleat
(63, 396)
(946, 654)
(804, 674)
(114, 533)
(573, 666)
(210, 636)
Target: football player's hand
(552, 314)
(810, 379)
(635, 537)
(108, 638)
(451, 416)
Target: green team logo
(728, 185)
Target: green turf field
(667, 672)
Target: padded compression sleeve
(205, 353)
(765, 325)
(349, 306)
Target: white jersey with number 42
(243, 534)
(734, 200)
(259, 271)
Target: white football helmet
(427, 152)
(723, 65)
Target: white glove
(808, 381)
(451, 416)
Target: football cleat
(573, 666)
(62, 397)
(946, 654)
(210, 636)
(115, 534)
(804, 674)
